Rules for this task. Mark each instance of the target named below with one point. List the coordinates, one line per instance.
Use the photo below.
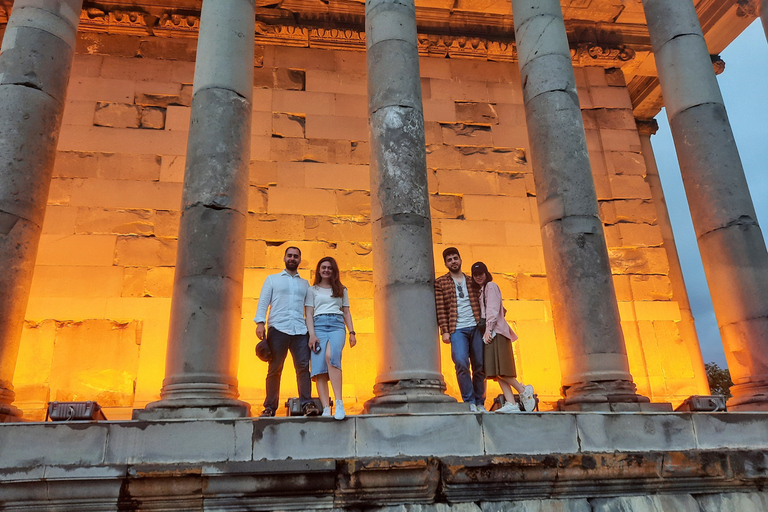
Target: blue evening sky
(743, 85)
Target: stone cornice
(591, 44)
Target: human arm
(348, 321)
(309, 317)
(492, 307)
(442, 316)
(265, 298)
(309, 312)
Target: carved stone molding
(748, 8)
(593, 54)
(318, 30)
(114, 22)
(647, 126)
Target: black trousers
(281, 343)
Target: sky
(744, 86)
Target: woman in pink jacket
(498, 357)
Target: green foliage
(719, 380)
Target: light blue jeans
(331, 332)
(466, 349)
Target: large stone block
(418, 435)
(75, 283)
(99, 221)
(143, 251)
(59, 220)
(65, 444)
(497, 208)
(188, 441)
(83, 250)
(275, 228)
(303, 438)
(547, 433)
(126, 194)
(108, 375)
(629, 432)
(117, 115)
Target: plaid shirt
(445, 300)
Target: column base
(609, 395)
(10, 414)
(193, 408)
(411, 396)
(752, 396)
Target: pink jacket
(493, 311)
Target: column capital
(748, 8)
(647, 126)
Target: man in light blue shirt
(284, 294)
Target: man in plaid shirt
(458, 313)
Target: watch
(353, 332)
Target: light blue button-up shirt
(284, 295)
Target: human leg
(525, 392)
(460, 341)
(321, 382)
(476, 346)
(279, 342)
(300, 353)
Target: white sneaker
(473, 408)
(529, 403)
(339, 413)
(481, 408)
(509, 408)
(327, 411)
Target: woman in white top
(327, 311)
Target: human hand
(487, 338)
(352, 340)
(260, 332)
(446, 338)
(313, 341)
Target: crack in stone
(744, 220)
(7, 222)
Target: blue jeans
(281, 343)
(466, 348)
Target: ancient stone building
(155, 163)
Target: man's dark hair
(450, 250)
(292, 247)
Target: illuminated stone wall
(98, 314)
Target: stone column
(730, 240)
(409, 377)
(646, 128)
(203, 341)
(35, 63)
(590, 342)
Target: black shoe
(310, 409)
(267, 413)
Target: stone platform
(540, 461)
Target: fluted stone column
(201, 362)
(593, 358)
(409, 377)
(730, 240)
(35, 63)
(646, 128)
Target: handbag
(263, 350)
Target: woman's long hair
(480, 268)
(336, 286)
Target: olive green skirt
(499, 358)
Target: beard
(291, 265)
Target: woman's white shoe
(339, 413)
(327, 411)
(509, 408)
(529, 402)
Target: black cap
(479, 268)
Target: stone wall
(106, 259)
